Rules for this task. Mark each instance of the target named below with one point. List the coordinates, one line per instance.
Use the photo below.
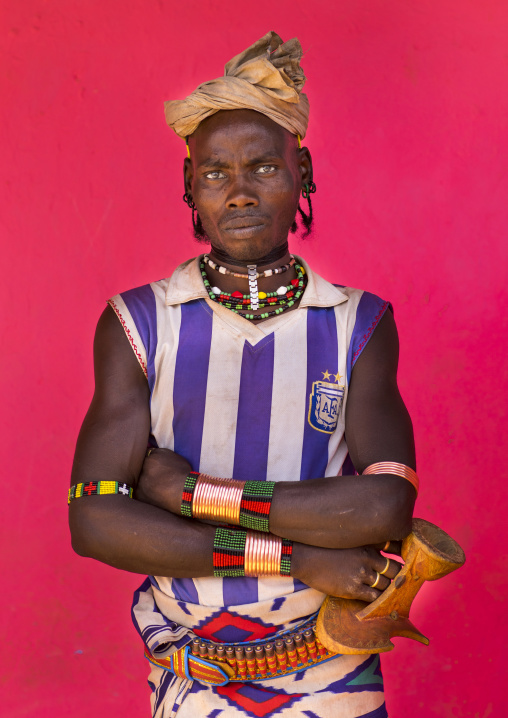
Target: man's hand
(162, 479)
(346, 573)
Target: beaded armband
(229, 552)
(256, 503)
(240, 503)
(188, 493)
(285, 560)
(93, 488)
(250, 553)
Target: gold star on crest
(337, 377)
(326, 374)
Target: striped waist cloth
(219, 663)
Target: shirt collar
(186, 284)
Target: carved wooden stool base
(347, 626)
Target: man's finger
(387, 566)
(377, 581)
(393, 547)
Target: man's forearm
(140, 538)
(137, 537)
(343, 512)
(334, 512)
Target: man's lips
(243, 222)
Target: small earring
(308, 189)
(197, 225)
(307, 219)
(187, 198)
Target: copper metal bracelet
(391, 467)
(263, 553)
(217, 499)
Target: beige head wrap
(266, 77)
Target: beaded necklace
(237, 301)
(280, 292)
(257, 275)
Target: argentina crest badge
(325, 402)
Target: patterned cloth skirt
(341, 688)
(348, 686)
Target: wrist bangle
(255, 505)
(94, 488)
(229, 552)
(391, 467)
(250, 553)
(287, 554)
(188, 492)
(262, 554)
(217, 499)
(241, 503)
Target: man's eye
(265, 169)
(215, 175)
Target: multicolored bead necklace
(284, 296)
(280, 292)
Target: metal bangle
(263, 553)
(392, 467)
(217, 499)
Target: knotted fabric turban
(266, 77)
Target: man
(245, 364)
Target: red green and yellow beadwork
(102, 488)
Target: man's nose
(241, 194)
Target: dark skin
(245, 175)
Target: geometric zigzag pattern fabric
(346, 686)
(331, 690)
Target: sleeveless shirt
(259, 402)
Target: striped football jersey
(259, 402)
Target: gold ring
(149, 451)
(373, 585)
(386, 567)
(386, 546)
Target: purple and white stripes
(237, 400)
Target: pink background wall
(409, 135)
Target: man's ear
(305, 162)
(188, 174)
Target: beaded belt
(219, 663)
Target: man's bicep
(378, 426)
(113, 438)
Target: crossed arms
(337, 523)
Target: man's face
(245, 176)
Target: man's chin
(248, 249)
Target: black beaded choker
(270, 258)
